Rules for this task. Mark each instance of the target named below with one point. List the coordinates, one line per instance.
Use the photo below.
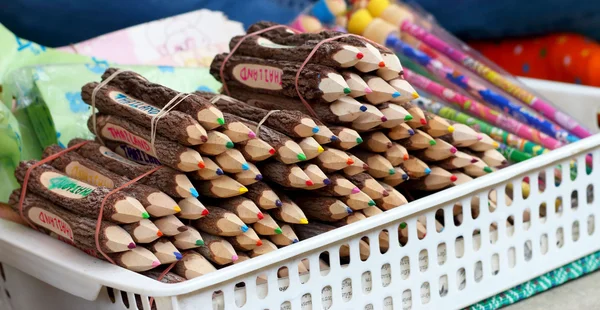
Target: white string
(218, 97)
(262, 121)
(94, 92)
(166, 109)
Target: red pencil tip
(423, 121)
(204, 138)
(204, 212)
(453, 150)
(365, 167)
(385, 193)
(360, 55)
(272, 151)
(159, 233)
(474, 160)
(201, 165)
(260, 216)
(381, 64)
(309, 183)
(259, 242)
(131, 246)
(453, 178)
(405, 157)
(384, 119)
(350, 161)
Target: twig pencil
(255, 150)
(164, 250)
(340, 186)
(211, 171)
(484, 144)
(379, 167)
(79, 230)
(266, 247)
(170, 225)
(381, 90)
(415, 168)
(246, 241)
(333, 54)
(376, 142)
(76, 166)
(189, 239)
(111, 100)
(333, 160)
(407, 92)
(357, 201)
(263, 196)
(289, 212)
(287, 151)
(420, 140)
(393, 67)
(79, 197)
(459, 160)
(324, 135)
(232, 161)
(358, 86)
(168, 278)
(130, 153)
(438, 179)
(191, 209)
(440, 151)
(368, 185)
(236, 130)
(347, 138)
(394, 113)
(316, 175)
(277, 77)
(216, 144)
(310, 147)
(243, 207)
(169, 153)
(341, 111)
(193, 265)
(250, 176)
(217, 250)
(327, 209)
(419, 118)
(285, 175)
(287, 237)
(221, 222)
(369, 119)
(397, 178)
(396, 154)
(267, 226)
(357, 166)
(292, 123)
(132, 83)
(477, 169)
(223, 187)
(436, 126)
(401, 132)
(143, 231)
(172, 182)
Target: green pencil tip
(359, 140)
(392, 171)
(347, 90)
(301, 156)
(145, 215)
(221, 121)
(278, 231)
(402, 225)
(229, 144)
(371, 203)
(487, 169)
(408, 117)
(432, 142)
(199, 242)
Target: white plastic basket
(445, 270)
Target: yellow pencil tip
(177, 209)
(320, 149)
(243, 190)
(303, 221)
(496, 145)
(415, 95)
(450, 129)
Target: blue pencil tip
(411, 132)
(405, 176)
(334, 138)
(349, 211)
(220, 171)
(278, 203)
(396, 95)
(315, 129)
(427, 171)
(258, 177)
(245, 166)
(194, 192)
(327, 182)
(363, 108)
(178, 255)
(244, 228)
(295, 241)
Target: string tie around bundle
(94, 92)
(166, 109)
(264, 119)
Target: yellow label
(258, 76)
(270, 44)
(80, 172)
(118, 133)
(65, 186)
(51, 222)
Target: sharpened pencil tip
(221, 121)
(392, 171)
(349, 211)
(204, 212)
(204, 139)
(155, 264)
(260, 215)
(402, 225)
(360, 55)
(385, 193)
(295, 241)
(159, 233)
(359, 140)
(334, 138)
(496, 145)
(278, 203)
(194, 192)
(479, 137)
(405, 157)
(427, 171)
(411, 132)
(347, 90)
(234, 258)
(368, 90)
(258, 242)
(355, 190)
(450, 129)
(453, 150)
(405, 177)
(432, 142)
(395, 95)
(201, 165)
(415, 95)
(177, 209)
(258, 177)
(309, 183)
(199, 242)
(245, 166)
(178, 255)
(474, 160)
(301, 156)
(303, 221)
(408, 118)
(381, 64)
(278, 231)
(243, 190)
(244, 228)
(350, 161)
(487, 169)
(315, 129)
(423, 121)
(384, 119)
(131, 246)
(363, 108)
(182, 228)
(327, 182)
(372, 203)
(251, 135)
(220, 171)
(145, 215)
(320, 149)
(272, 151)
(453, 178)
(229, 145)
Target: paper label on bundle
(118, 133)
(112, 155)
(80, 172)
(270, 44)
(133, 103)
(136, 155)
(258, 76)
(51, 222)
(65, 186)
